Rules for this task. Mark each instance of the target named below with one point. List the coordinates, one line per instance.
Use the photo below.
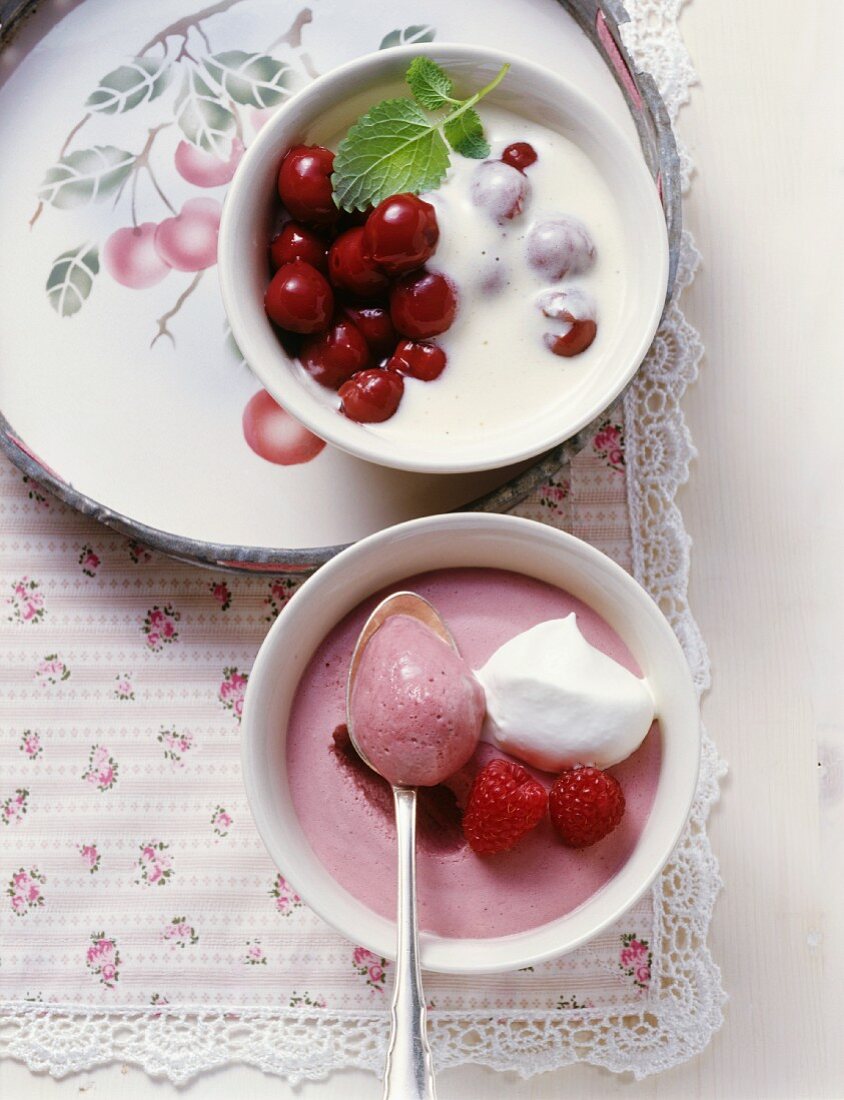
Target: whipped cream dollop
(553, 700)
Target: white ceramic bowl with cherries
(327, 826)
(514, 311)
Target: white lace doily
(643, 1034)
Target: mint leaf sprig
(397, 147)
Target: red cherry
(304, 184)
(273, 433)
(423, 361)
(402, 233)
(371, 396)
(577, 339)
(335, 355)
(297, 242)
(299, 299)
(576, 310)
(423, 305)
(377, 327)
(520, 155)
(351, 268)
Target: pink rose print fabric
(103, 959)
(89, 561)
(221, 821)
(30, 744)
(24, 890)
(52, 670)
(155, 864)
(371, 968)
(159, 625)
(233, 690)
(26, 603)
(90, 857)
(636, 959)
(102, 768)
(131, 868)
(286, 898)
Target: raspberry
(505, 802)
(586, 805)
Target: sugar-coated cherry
(560, 246)
(351, 268)
(299, 299)
(423, 361)
(335, 355)
(423, 305)
(297, 242)
(521, 155)
(402, 233)
(275, 435)
(304, 184)
(574, 309)
(376, 325)
(371, 396)
(499, 189)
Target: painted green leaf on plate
(202, 118)
(85, 176)
(404, 37)
(250, 79)
(141, 80)
(71, 278)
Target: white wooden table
(766, 510)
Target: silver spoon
(409, 1071)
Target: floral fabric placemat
(136, 892)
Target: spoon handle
(409, 1072)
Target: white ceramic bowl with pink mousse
(456, 541)
(498, 401)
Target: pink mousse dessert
(346, 810)
(416, 708)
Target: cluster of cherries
(353, 291)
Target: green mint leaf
(431, 86)
(391, 149)
(465, 134)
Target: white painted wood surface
(766, 510)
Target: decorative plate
(121, 389)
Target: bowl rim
(284, 387)
(356, 921)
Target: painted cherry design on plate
(188, 242)
(131, 258)
(275, 435)
(205, 169)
